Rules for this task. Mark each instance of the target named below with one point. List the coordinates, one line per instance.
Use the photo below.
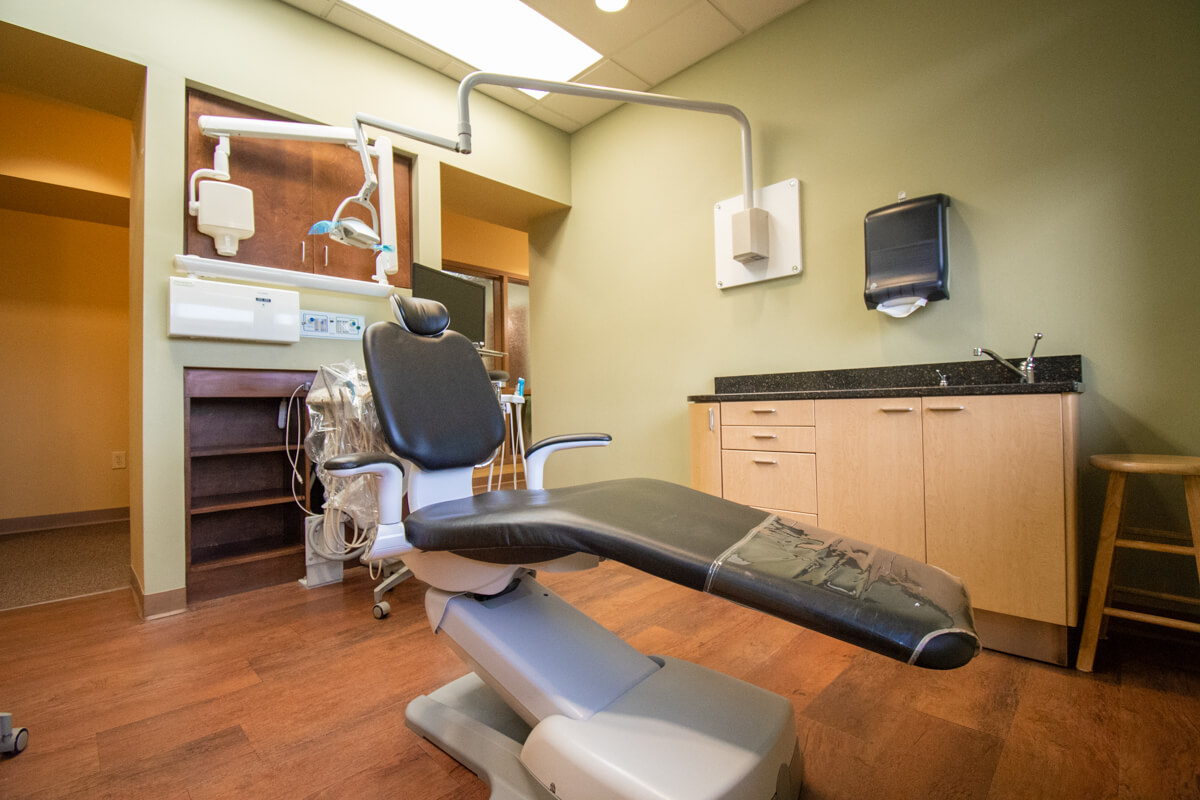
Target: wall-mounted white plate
(782, 202)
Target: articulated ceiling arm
(603, 93)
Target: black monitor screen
(465, 300)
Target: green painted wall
(1066, 134)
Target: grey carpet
(41, 566)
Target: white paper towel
(901, 306)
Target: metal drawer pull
(765, 461)
(765, 435)
(762, 411)
(947, 408)
(712, 419)
(896, 409)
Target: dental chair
(556, 706)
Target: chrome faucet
(1025, 370)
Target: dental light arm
(604, 93)
(382, 233)
(750, 226)
(220, 172)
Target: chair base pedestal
(474, 726)
(662, 733)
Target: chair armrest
(389, 538)
(536, 455)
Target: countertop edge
(1049, 387)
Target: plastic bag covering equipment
(342, 420)
(856, 592)
(907, 254)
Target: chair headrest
(420, 315)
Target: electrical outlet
(118, 459)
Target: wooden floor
(290, 693)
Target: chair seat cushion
(847, 589)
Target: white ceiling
(645, 44)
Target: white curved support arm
(535, 456)
(605, 93)
(389, 538)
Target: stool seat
(1099, 607)
(1147, 464)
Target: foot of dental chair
(473, 725)
(684, 732)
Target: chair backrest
(432, 394)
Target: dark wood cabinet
(295, 184)
(245, 528)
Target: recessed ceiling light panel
(504, 36)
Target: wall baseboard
(69, 520)
(159, 604)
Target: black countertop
(1052, 375)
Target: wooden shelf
(238, 450)
(230, 502)
(244, 527)
(257, 550)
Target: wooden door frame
(499, 297)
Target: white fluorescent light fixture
(504, 36)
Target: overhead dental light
(611, 5)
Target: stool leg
(1114, 499)
(1191, 488)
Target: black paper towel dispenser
(906, 253)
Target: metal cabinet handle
(327, 255)
(712, 419)
(947, 408)
(896, 409)
(765, 435)
(301, 249)
(762, 411)
(765, 461)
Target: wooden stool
(1119, 468)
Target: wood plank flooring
(287, 693)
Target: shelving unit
(244, 527)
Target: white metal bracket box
(782, 202)
(213, 310)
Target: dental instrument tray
(870, 597)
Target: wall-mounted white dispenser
(213, 310)
(226, 213)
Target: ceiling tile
(750, 15)
(604, 31)
(585, 109)
(681, 41)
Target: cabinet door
(704, 421)
(280, 175)
(869, 472)
(995, 504)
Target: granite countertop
(1052, 375)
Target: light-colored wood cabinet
(998, 512)
(870, 482)
(983, 486)
(767, 456)
(704, 421)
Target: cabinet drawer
(781, 439)
(771, 480)
(768, 412)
